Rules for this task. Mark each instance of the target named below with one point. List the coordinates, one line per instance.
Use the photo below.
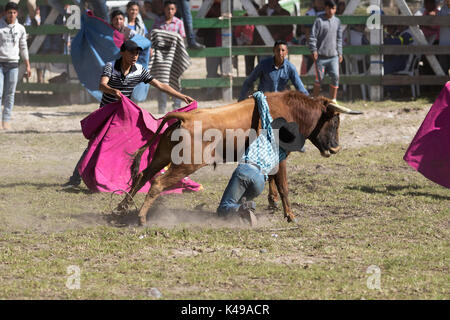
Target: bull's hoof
(121, 209)
(292, 218)
(273, 206)
(142, 221)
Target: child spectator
(118, 23)
(13, 40)
(133, 20)
(325, 44)
(169, 22)
(430, 8)
(303, 32)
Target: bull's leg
(273, 194)
(281, 182)
(160, 160)
(162, 182)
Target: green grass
(359, 208)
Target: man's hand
(28, 69)
(315, 56)
(28, 72)
(340, 58)
(188, 99)
(118, 94)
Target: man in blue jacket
(273, 73)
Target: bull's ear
(338, 108)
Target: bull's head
(325, 135)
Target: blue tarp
(98, 43)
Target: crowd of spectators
(130, 21)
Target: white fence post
(376, 61)
(227, 36)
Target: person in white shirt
(13, 40)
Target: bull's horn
(343, 109)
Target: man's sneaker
(246, 212)
(195, 45)
(71, 185)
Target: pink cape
(116, 131)
(429, 152)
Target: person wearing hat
(118, 79)
(260, 159)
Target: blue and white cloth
(264, 151)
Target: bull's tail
(137, 156)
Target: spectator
(394, 36)
(444, 38)
(13, 41)
(212, 38)
(244, 37)
(152, 9)
(325, 43)
(340, 8)
(118, 23)
(278, 32)
(273, 73)
(431, 33)
(184, 12)
(133, 20)
(31, 5)
(171, 23)
(37, 18)
(304, 31)
(318, 8)
(99, 8)
(120, 78)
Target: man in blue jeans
(325, 44)
(259, 160)
(273, 73)
(184, 12)
(13, 42)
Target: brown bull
(317, 118)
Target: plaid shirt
(175, 26)
(264, 151)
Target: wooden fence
(226, 82)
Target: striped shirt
(125, 84)
(175, 26)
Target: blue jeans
(328, 65)
(247, 181)
(184, 9)
(9, 74)
(162, 102)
